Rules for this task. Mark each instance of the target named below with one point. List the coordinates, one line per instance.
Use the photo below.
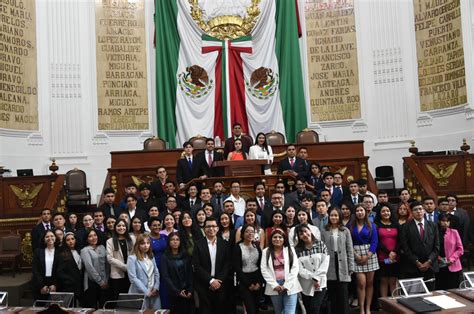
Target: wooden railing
(416, 181)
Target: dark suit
(229, 145)
(146, 205)
(158, 189)
(260, 211)
(218, 203)
(203, 167)
(298, 166)
(37, 233)
(348, 198)
(435, 216)
(336, 196)
(211, 301)
(185, 173)
(187, 205)
(110, 210)
(69, 274)
(39, 279)
(416, 249)
(464, 219)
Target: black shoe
(263, 306)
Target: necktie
(422, 231)
(192, 203)
(209, 159)
(47, 227)
(354, 200)
(261, 203)
(190, 162)
(431, 218)
(292, 162)
(218, 201)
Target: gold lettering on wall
(440, 54)
(332, 60)
(121, 65)
(18, 80)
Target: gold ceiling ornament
(226, 26)
(26, 194)
(443, 172)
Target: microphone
(412, 284)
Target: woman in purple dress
(159, 242)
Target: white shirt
(239, 205)
(212, 253)
(132, 213)
(48, 261)
(418, 225)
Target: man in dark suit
(301, 192)
(336, 192)
(353, 196)
(263, 203)
(147, 200)
(211, 262)
(170, 190)
(158, 186)
(454, 222)
(236, 134)
(218, 197)
(431, 213)
(108, 207)
(338, 180)
(419, 241)
(192, 203)
(462, 214)
(292, 165)
(276, 204)
(38, 230)
(186, 168)
(205, 161)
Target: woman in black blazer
(70, 267)
(176, 270)
(45, 265)
(246, 263)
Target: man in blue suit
(336, 192)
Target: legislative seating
(77, 192)
(275, 138)
(154, 143)
(10, 250)
(198, 141)
(306, 136)
(385, 173)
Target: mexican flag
(205, 84)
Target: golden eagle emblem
(443, 173)
(138, 181)
(26, 194)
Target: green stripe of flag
(289, 63)
(167, 52)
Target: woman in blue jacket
(143, 273)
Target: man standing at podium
(206, 159)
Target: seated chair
(275, 138)
(10, 250)
(198, 141)
(154, 143)
(307, 136)
(385, 173)
(77, 192)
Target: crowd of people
(209, 251)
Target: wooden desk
(241, 167)
(140, 166)
(467, 294)
(390, 305)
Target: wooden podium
(247, 167)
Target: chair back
(384, 172)
(154, 143)
(249, 137)
(307, 136)
(275, 138)
(10, 244)
(76, 180)
(198, 141)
